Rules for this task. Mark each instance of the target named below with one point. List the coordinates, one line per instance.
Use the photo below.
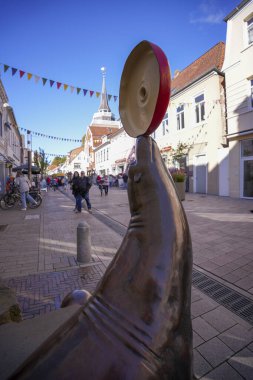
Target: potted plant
(179, 178)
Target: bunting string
(53, 83)
(28, 131)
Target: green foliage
(178, 176)
(83, 139)
(58, 160)
(180, 151)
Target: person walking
(85, 185)
(76, 191)
(106, 184)
(24, 185)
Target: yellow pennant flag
(97, 94)
(29, 75)
(65, 86)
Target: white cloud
(207, 13)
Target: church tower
(104, 113)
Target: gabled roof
(98, 131)
(76, 151)
(236, 9)
(211, 60)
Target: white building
(196, 117)
(75, 161)
(238, 69)
(11, 142)
(115, 153)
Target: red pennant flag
(58, 85)
(91, 93)
(44, 80)
(6, 68)
(21, 73)
(51, 83)
(85, 92)
(13, 71)
(78, 90)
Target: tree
(83, 139)
(58, 160)
(41, 160)
(179, 153)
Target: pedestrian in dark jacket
(85, 184)
(77, 191)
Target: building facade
(11, 141)
(196, 119)
(238, 69)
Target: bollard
(83, 243)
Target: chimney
(176, 73)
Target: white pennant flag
(72, 89)
(37, 78)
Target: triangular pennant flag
(109, 97)
(44, 80)
(37, 78)
(91, 93)
(78, 90)
(21, 73)
(6, 68)
(72, 89)
(65, 86)
(115, 98)
(58, 85)
(51, 83)
(29, 75)
(97, 94)
(13, 71)
(85, 92)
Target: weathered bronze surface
(137, 324)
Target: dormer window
(250, 30)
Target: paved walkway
(38, 260)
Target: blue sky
(70, 40)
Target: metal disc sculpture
(137, 324)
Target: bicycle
(9, 200)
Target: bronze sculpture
(137, 324)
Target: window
(247, 148)
(250, 30)
(200, 108)
(1, 125)
(77, 166)
(165, 123)
(180, 117)
(251, 93)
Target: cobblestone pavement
(38, 260)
